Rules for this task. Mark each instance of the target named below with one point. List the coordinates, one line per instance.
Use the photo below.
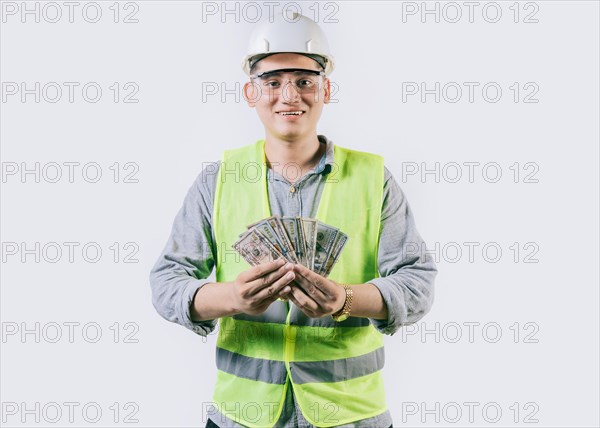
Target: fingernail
(289, 275)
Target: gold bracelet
(344, 313)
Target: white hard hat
(293, 33)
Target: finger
(314, 278)
(296, 297)
(310, 290)
(304, 302)
(284, 293)
(262, 269)
(312, 284)
(268, 279)
(277, 289)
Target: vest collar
(325, 163)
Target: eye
(305, 82)
(272, 84)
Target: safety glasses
(304, 81)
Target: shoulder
(207, 178)
(393, 195)
(387, 175)
(355, 154)
(205, 183)
(249, 150)
(358, 161)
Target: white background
(174, 50)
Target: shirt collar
(326, 163)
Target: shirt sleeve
(407, 271)
(188, 256)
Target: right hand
(256, 288)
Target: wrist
(344, 312)
(341, 301)
(233, 308)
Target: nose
(290, 91)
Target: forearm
(406, 281)
(187, 259)
(408, 294)
(367, 302)
(212, 301)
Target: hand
(256, 288)
(315, 295)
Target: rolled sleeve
(392, 297)
(407, 271)
(188, 257)
(203, 328)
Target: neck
(292, 158)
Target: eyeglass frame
(287, 70)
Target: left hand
(315, 295)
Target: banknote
(302, 240)
(244, 247)
(255, 249)
(309, 231)
(323, 244)
(272, 236)
(334, 254)
(276, 224)
(290, 227)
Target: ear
(327, 87)
(251, 92)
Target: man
(295, 348)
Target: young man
(295, 348)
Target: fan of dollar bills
(306, 241)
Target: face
(269, 104)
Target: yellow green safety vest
(333, 368)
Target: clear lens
(304, 82)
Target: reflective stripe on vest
(334, 368)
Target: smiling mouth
(291, 113)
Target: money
(309, 230)
(338, 245)
(255, 249)
(323, 245)
(290, 225)
(269, 230)
(277, 225)
(301, 241)
(306, 241)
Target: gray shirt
(407, 271)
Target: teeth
(287, 113)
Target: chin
(286, 133)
